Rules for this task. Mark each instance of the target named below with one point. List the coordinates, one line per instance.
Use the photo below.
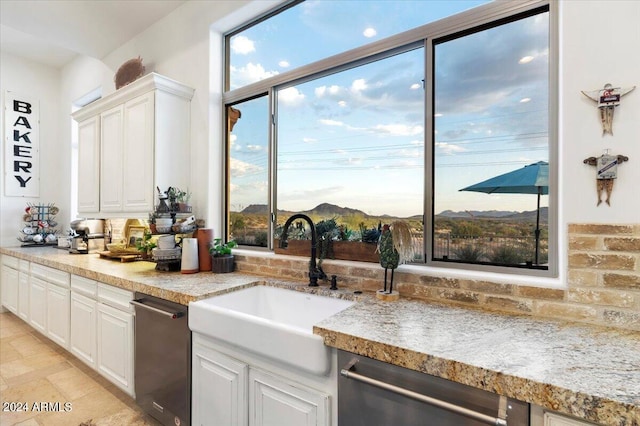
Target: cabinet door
(111, 149)
(138, 154)
(89, 165)
(115, 346)
(38, 304)
(274, 400)
(552, 419)
(58, 300)
(219, 388)
(23, 295)
(10, 288)
(82, 339)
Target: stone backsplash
(603, 280)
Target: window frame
(468, 21)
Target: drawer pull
(348, 372)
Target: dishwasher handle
(348, 372)
(140, 303)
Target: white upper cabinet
(132, 141)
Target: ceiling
(54, 32)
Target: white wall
(599, 43)
(39, 82)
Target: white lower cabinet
(275, 400)
(83, 341)
(221, 383)
(58, 300)
(23, 290)
(38, 304)
(9, 268)
(230, 392)
(115, 328)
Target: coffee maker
(86, 235)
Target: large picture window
(403, 114)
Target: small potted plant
(221, 256)
(145, 245)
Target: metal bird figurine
(395, 247)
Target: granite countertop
(591, 372)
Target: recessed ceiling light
(525, 100)
(525, 59)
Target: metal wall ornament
(607, 98)
(606, 172)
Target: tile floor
(33, 369)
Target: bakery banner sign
(21, 146)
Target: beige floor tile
(127, 417)
(29, 344)
(30, 422)
(73, 383)
(99, 402)
(30, 364)
(35, 391)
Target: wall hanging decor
(22, 146)
(607, 98)
(606, 172)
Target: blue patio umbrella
(530, 179)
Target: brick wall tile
(622, 281)
(622, 318)
(588, 228)
(604, 297)
(572, 312)
(582, 278)
(628, 244)
(509, 304)
(581, 242)
(602, 261)
(540, 293)
(486, 287)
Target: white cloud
(358, 85)
(327, 122)
(255, 148)
(242, 45)
(398, 129)
(369, 32)
(240, 168)
(342, 104)
(449, 149)
(290, 96)
(326, 90)
(250, 73)
(309, 140)
(284, 64)
(415, 86)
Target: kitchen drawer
(10, 261)
(51, 275)
(84, 286)
(115, 297)
(24, 265)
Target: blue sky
(356, 138)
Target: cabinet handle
(348, 372)
(140, 303)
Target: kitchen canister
(189, 264)
(205, 238)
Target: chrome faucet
(315, 272)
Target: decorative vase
(222, 264)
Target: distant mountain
(332, 210)
(497, 214)
(468, 214)
(327, 209)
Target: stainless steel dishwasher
(163, 360)
(374, 393)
